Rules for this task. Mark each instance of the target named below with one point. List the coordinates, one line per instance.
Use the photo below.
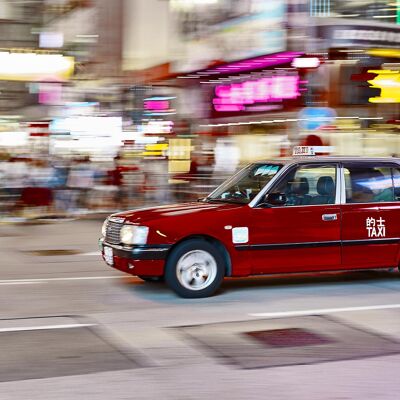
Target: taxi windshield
(246, 184)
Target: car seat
(298, 192)
(325, 190)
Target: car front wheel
(194, 269)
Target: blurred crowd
(56, 187)
(50, 186)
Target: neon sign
(389, 83)
(239, 96)
(156, 105)
(35, 66)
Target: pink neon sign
(156, 105)
(236, 96)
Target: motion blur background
(108, 105)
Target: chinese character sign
(375, 227)
(237, 96)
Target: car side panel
(391, 215)
(213, 226)
(370, 235)
(295, 239)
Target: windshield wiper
(209, 199)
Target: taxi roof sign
(303, 151)
(311, 150)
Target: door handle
(329, 217)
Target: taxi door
(303, 234)
(371, 215)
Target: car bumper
(146, 260)
(143, 252)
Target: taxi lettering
(375, 227)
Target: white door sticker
(240, 235)
(375, 227)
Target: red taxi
(308, 214)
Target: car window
(309, 185)
(246, 184)
(368, 184)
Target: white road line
(301, 313)
(44, 327)
(19, 283)
(45, 280)
(92, 253)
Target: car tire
(194, 269)
(152, 279)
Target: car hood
(174, 210)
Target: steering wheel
(239, 193)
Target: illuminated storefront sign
(228, 30)
(367, 35)
(89, 126)
(35, 67)
(362, 35)
(389, 83)
(157, 105)
(241, 96)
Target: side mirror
(275, 199)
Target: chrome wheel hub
(196, 270)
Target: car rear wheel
(151, 278)
(195, 269)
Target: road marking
(301, 313)
(45, 280)
(43, 327)
(19, 283)
(92, 253)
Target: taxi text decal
(375, 227)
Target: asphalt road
(72, 328)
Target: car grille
(112, 232)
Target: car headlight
(104, 228)
(132, 234)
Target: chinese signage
(249, 95)
(370, 36)
(303, 151)
(375, 227)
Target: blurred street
(104, 335)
